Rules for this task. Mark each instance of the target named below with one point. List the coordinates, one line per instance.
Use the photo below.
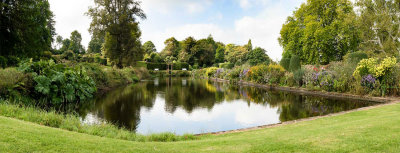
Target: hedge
(226, 65)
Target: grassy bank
(72, 123)
(373, 130)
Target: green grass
(374, 130)
(73, 123)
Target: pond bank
(305, 91)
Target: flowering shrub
(368, 81)
(211, 71)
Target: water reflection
(185, 105)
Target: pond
(186, 105)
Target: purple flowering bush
(368, 81)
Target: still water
(186, 105)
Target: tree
(185, 54)
(204, 51)
(220, 54)
(235, 54)
(149, 47)
(95, 45)
(257, 56)
(59, 42)
(154, 57)
(249, 45)
(172, 48)
(26, 27)
(379, 22)
(65, 46)
(320, 31)
(116, 19)
(75, 44)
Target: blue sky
(228, 21)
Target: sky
(228, 21)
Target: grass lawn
(373, 130)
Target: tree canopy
(320, 31)
(116, 19)
(26, 27)
(379, 22)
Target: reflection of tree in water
(196, 94)
(122, 106)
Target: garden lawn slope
(373, 130)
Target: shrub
(56, 83)
(141, 64)
(355, 57)
(285, 63)
(257, 73)
(211, 71)
(160, 66)
(3, 62)
(11, 80)
(298, 76)
(68, 55)
(294, 63)
(13, 61)
(46, 55)
(226, 65)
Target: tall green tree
(204, 51)
(236, 54)
(258, 56)
(117, 20)
(185, 54)
(26, 27)
(172, 48)
(320, 31)
(76, 43)
(220, 54)
(149, 47)
(379, 22)
(95, 45)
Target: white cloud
(69, 16)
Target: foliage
(285, 63)
(14, 60)
(12, 81)
(298, 76)
(153, 57)
(149, 47)
(75, 44)
(95, 45)
(204, 51)
(116, 19)
(172, 48)
(27, 27)
(226, 65)
(185, 54)
(69, 55)
(160, 66)
(355, 57)
(235, 54)
(220, 54)
(211, 71)
(370, 66)
(258, 56)
(320, 31)
(379, 21)
(294, 63)
(56, 84)
(266, 74)
(3, 62)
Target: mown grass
(374, 130)
(72, 123)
